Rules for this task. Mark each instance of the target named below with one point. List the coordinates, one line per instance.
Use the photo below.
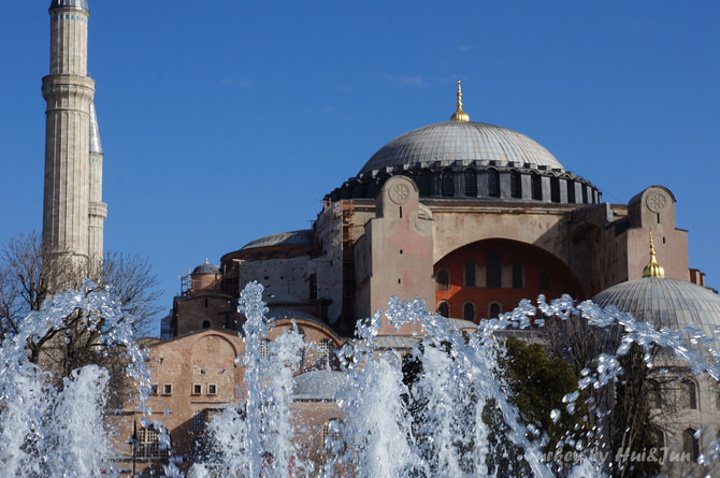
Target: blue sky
(224, 121)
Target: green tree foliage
(538, 381)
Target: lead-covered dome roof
(670, 303)
(465, 160)
(461, 142)
(205, 268)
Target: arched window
(469, 269)
(332, 439)
(469, 311)
(197, 422)
(691, 443)
(517, 276)
(493, 183)
(515, 184)
(494, 310)
(448, 183)
(325, 352)
(424, 181)
(654, 394)
(443, 309)
(570, 191)
(443, 279)
(264, 349)
(555, 189)
(470, 183)
(688, 395)
(536, 187)
(313, 284)
(659, 437)
(148, 444)
(493, 270)
(206, 324)
(544, 281)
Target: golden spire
(653, 269)
(459, 115)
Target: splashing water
(435, 427)
(431, 424)
(57, 428)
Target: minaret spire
(97, 210)
(459, 115)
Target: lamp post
(133, 445)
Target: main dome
(461, 142)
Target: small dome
(669, 303)
(79, 4)
(464, 141)
(320, 385)
(205, 268)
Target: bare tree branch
(28, 277)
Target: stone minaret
(97, 208)
(73, 211)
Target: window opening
(493, 270)
(469, 311)
(470, 183)
(517, 275)
(444, 309)
(515, 184)
(448, 186)
(443, 279)
(469, 274)
(493, 183)
(536, 187)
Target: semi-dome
(292, 238)
(453, 142)
(318, 385)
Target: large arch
(506, 271)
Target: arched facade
(499, 271)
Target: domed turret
(205, 277)
(205, 268)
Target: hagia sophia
(469, 217)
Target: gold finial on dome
(459, 115)
(653, 269)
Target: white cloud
(408, 80)
(238, 83)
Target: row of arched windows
(690, 442)
(470, 182)
(493, 275)
(685, 396)
(469, 310)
